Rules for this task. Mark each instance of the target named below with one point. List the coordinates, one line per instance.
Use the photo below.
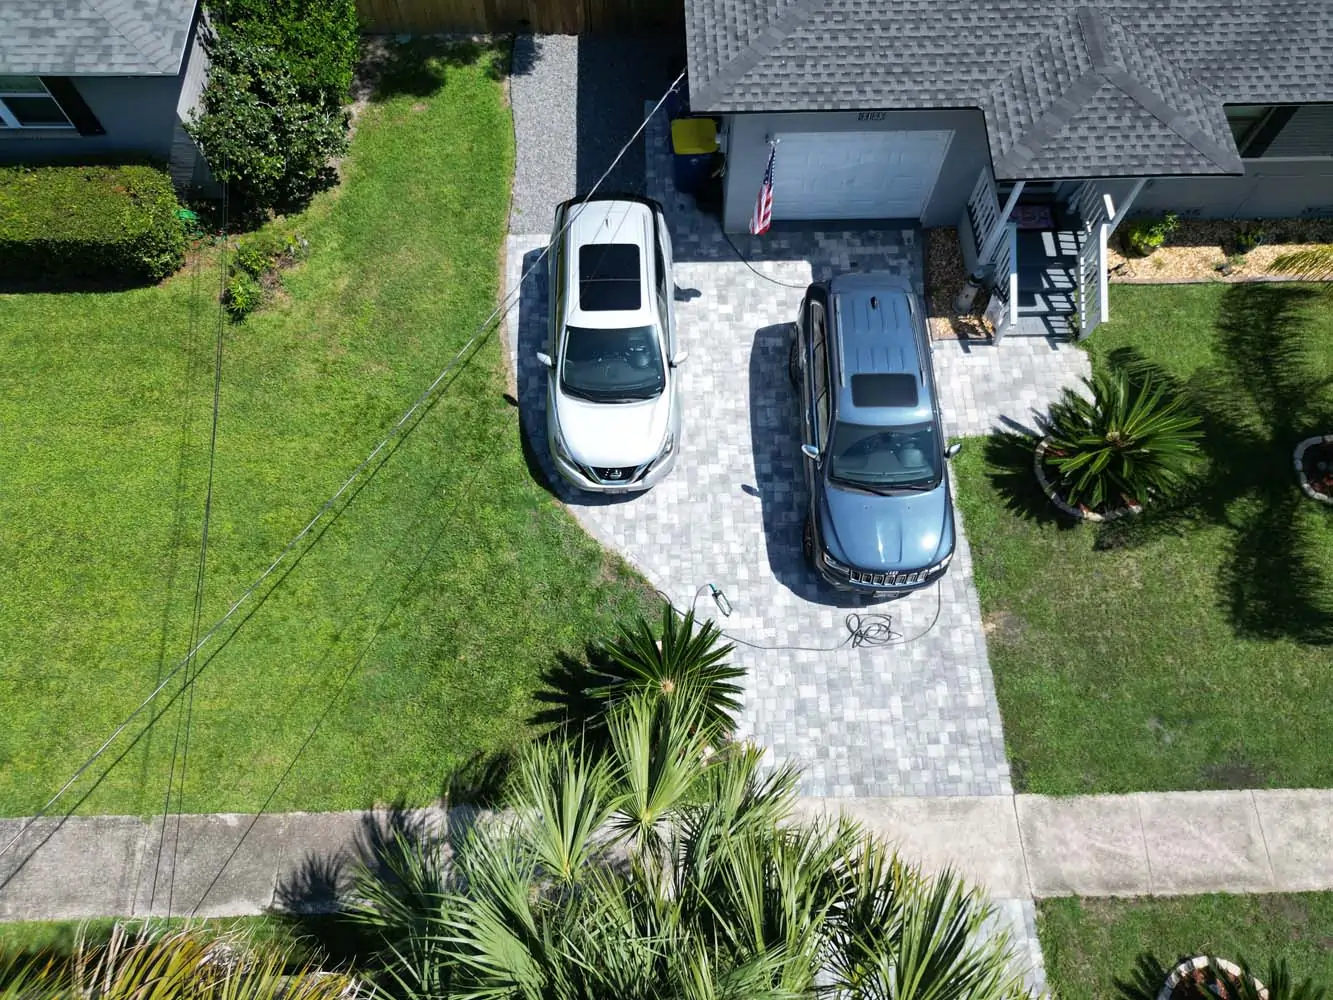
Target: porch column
(1127, 204)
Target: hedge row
(89, 224)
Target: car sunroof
(884, 390)
(609, 277)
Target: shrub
(1143, 236)
(244, 294)
(89, 224)
(1129, 440)
(273, 117)
(1249, 238)
(269, 146)
(318, 39)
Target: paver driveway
(918, 717)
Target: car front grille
(895, 578)
(611, 475)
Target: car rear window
(884, 390)
(609, 277)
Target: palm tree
(686, 664)
(656, 870)
(184, 964)
(1218, 979)
(1313, 264)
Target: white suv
(613, 401)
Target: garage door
(856, 175)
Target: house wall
(138, 113)
(189, 169)
(1270, 189)
(747, 150)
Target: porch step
(1051, 327)
(1047, 272)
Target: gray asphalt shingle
(94, 37)
(1051, 76)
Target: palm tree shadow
(1008, 458)
(1144, 982)
(1271, 586)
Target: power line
(461, 358)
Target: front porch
(1039, 248)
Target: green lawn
(1181, 651)
(421, 617)
(1089, 944)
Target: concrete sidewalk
(1017, 847)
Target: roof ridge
(124, 23)
(1157, 105)
(1107, 67)
(773, 35)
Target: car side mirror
(679, 358)
(545, 359)
(810, 452)
(953, 449)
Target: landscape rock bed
(1196, 249)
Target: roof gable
(1062, 71)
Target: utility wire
(462, 357)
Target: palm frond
(566, 798)
(688, 663)
(1314, 263)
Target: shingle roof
(1068, 88)
(94, 37)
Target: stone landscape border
(1299, 454)
(1054, 497)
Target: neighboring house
(1059, 115)
(96, 78)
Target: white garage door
(856, 175)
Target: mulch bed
(945, 276)
(1198, 248)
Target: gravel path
(576, 103)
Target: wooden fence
(563, 17)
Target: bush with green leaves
(318, 39)
(273, 118)
(660, 871)
(1128, 439)
(1143, 236)
(88, 224)
(243, 296)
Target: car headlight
(560, 445)
(833, 564)
(668, 446)
(940, 566)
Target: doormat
(1033, 217)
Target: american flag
(763, 206)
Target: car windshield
(904, 457)
(613, 366)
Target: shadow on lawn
(417, 68)
(1259, 399)
(1008, 457)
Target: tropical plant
(1215, 980)
(1143, 236)
(1312, 263)
(1128, 438)
(686, 664)
(185, 964)
(654, 871)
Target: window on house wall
(1255, 126)
(26, 103)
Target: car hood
(613, 434)
(880, 533)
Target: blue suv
(881, 513)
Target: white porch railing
(1002, 312)
(1096, 205)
